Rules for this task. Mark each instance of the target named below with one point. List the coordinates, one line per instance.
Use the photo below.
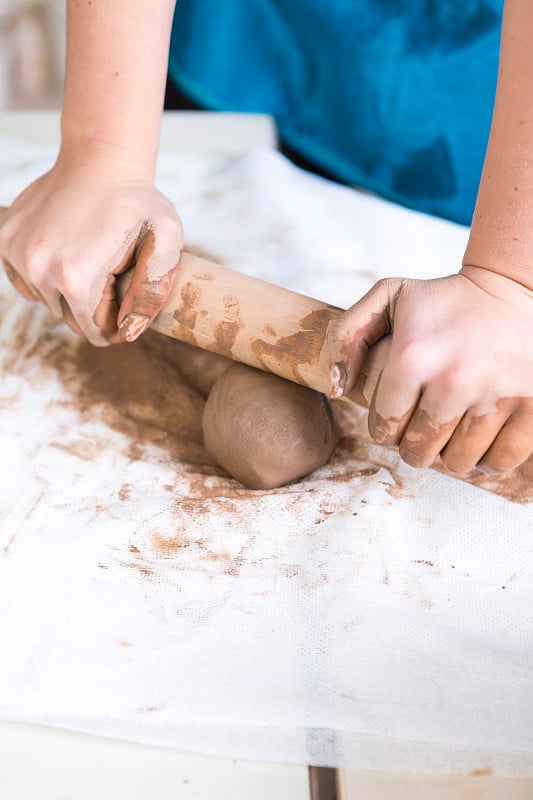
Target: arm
(116, 67)
(459, 380)
(501, 238)
(97, 212)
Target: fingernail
(132, 326)
(338, 379)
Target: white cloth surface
(378, 622)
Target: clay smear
(516, 486)
(154, 391)
(227, 331)
(302, 347)
(186, 314)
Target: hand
(459, 380)
(71, 232)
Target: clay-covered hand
(70, 233)
(459, 379)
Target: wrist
(81, 149)
(116, 65)
(496, 283)
(502, 249)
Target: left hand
(459, 379)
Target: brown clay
(266, 431)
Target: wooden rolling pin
(256, 323)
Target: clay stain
(10, 542)
(125, 491)
(228, 329)
(143, 569)
(186, 313)
(516, 486)
(169, 546)
(300, 348)
(86, 450)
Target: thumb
(351, 336)
(156, 265)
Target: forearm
(117, 54)
(501, 238)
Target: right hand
(69, 234)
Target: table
(50, 763)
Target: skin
(97, 212)
(459, 379)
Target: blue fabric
(394, 96)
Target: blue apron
(394, 96)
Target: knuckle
(387, 285)
(457, 379)
(383, 431)
(380, 287)
(412, 359)
(150, 296)
(72, 284)
(457, 465)
(415, 455)
(37, 264)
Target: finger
(360, 327)
(156, 265)
(51, 300)
(473, 436)
(399, 390)
(19, 283)
(68, 317)
(432, 425)
(96, 314)
(375, 362)
(106, 312)
(512, 446)
(394, 402)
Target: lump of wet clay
(266, 431)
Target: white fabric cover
(370, 616)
